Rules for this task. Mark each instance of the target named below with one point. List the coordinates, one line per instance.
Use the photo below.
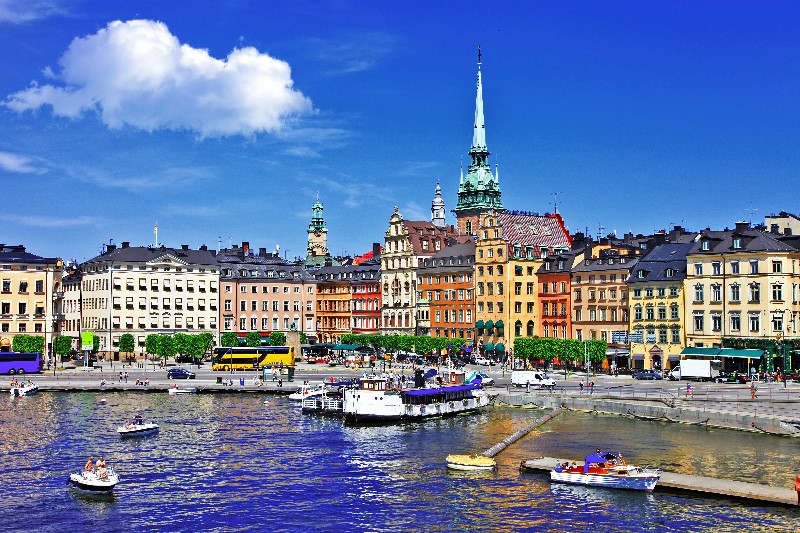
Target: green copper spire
(317, 220)
(479, 190)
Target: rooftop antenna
(751, 210)
(555, 201)
(155, 232)
(461, 181)
(219, 243)
(600, 229)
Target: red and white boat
(606, 470)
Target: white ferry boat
(376, 401)
(23, 389)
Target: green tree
(303, 338)
(126, 343)
(277, 338)
(28, 343)
(95, 344)
(166, 347)
(229, 339)
(197, 346)
(207, 342)
(62, 346)
(181, 344)
(253, 338)
(151, 344)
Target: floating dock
(699, 485)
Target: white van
(536, 378)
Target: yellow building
(509, 250)
(32, 296)
(655, 289)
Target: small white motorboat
(137, 430)
(307, 391)
(92, 482)
(607, 470)
(24, 389)
(182, 390)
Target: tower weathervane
(479, 54)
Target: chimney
(262, 252)
(660, 238)
(185, 247)
(203, 248)
(110, 248)
(742, 226)
(328, 262)
(126, 244)
(376, 250)
(245, 247)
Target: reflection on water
(229, 462)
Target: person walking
(581, 384)
(753, 390)
(689, 392)
(591, 387)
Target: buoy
(103, 400)
(266, 402)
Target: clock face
(316, 232)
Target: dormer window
(640, 274)
(670, 272)
(705, 245)
(737, 243)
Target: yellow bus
(252, 358)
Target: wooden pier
(511, 439)
(699, 485)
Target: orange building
(554, 296)
(446, 283)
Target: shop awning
(702, 352)
(479, 324)
(346, 346)
(489, 347)
(500, 347)
(741, 354)
(638, 357)
(499, 324)
(489, 324)
(674, 357)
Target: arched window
(529, 328)
(518, 328)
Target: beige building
(262, 292)
(741, 284)
(144, 290)
(32, 297)
(407, 243)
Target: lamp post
(588, 365)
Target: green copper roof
(479, 189)
(317, 220)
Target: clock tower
(317, 232)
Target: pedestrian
(126, 377)
(581, 385)
(280, 383)
(591, 387)
(688, 390)
(120, 377)
(527, 386)
(753, 390)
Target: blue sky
(224, 120)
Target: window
(777, 292)
(716, 292)
(755, 292)
(706, 245)
(754, 266)
(698, 269)
(737, 243)
(673, 292)
(716, 322)
(698, 321)
(735, 290)
(637, 292)
(662, 335)
(755, 322)
(243, 305)
(777, 323)
(648, 292)
(715, 268)
(776, 267)
(698, 293)
(676, 336)
(674, 312)
(227, 305)
(736, 322)
(662, 312)
(734, 267)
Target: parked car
(179, 373)
(734, 377)
(648, 374)
(486, 380)
(485, 361)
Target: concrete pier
(511, 439)
(703, 486)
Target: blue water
(231, 463)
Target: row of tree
(565, 350)
(28, 343)
(421, 345)
(158, 346)
(254, 338)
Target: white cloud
(171, 177)
(302, 151)
(20, 164)
(49, 222)
(21, 11)
(138, 74)
(356, 52)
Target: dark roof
(602, 264)
(752, 240)
(142, 254)
(654, 265)
(370, 271)
(567, 259)
(17, 254)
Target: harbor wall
(657, 410)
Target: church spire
(478, 191)
(437, 207)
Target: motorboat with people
(470, 462)
(137, 428)
(96, 478)
(330, 402)
(181, 390)
(606, 469)
(23, 388)
(308, 390)
(381, 399)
